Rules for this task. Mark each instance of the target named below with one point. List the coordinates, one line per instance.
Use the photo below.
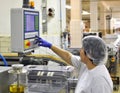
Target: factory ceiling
(112, 7)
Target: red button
(28, 44)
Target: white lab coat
(96, 80)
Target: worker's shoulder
(99, 73)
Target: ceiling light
(85, 12)
(68, 6)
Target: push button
(27, 44)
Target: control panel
(24, 28)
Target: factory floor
(118, 74)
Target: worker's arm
(65, 55)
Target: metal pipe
(18, 84)
(61, 24)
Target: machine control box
(24, 28)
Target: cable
(4, 60)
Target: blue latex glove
(42, 42)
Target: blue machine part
(4, 60)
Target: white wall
(54, 24)
(5, 7)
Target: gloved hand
(42, 42)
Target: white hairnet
(95, 49)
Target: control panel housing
(24, 28)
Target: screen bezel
(32, 13)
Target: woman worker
(93, 74)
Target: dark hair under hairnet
(95, 49)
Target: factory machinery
(112, 65)
(35, 74)
(32, 73)
(43, 79)
(37, 79)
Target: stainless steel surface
(49, 79)
(5, 79)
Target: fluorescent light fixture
(68, 6)
(85, 12)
